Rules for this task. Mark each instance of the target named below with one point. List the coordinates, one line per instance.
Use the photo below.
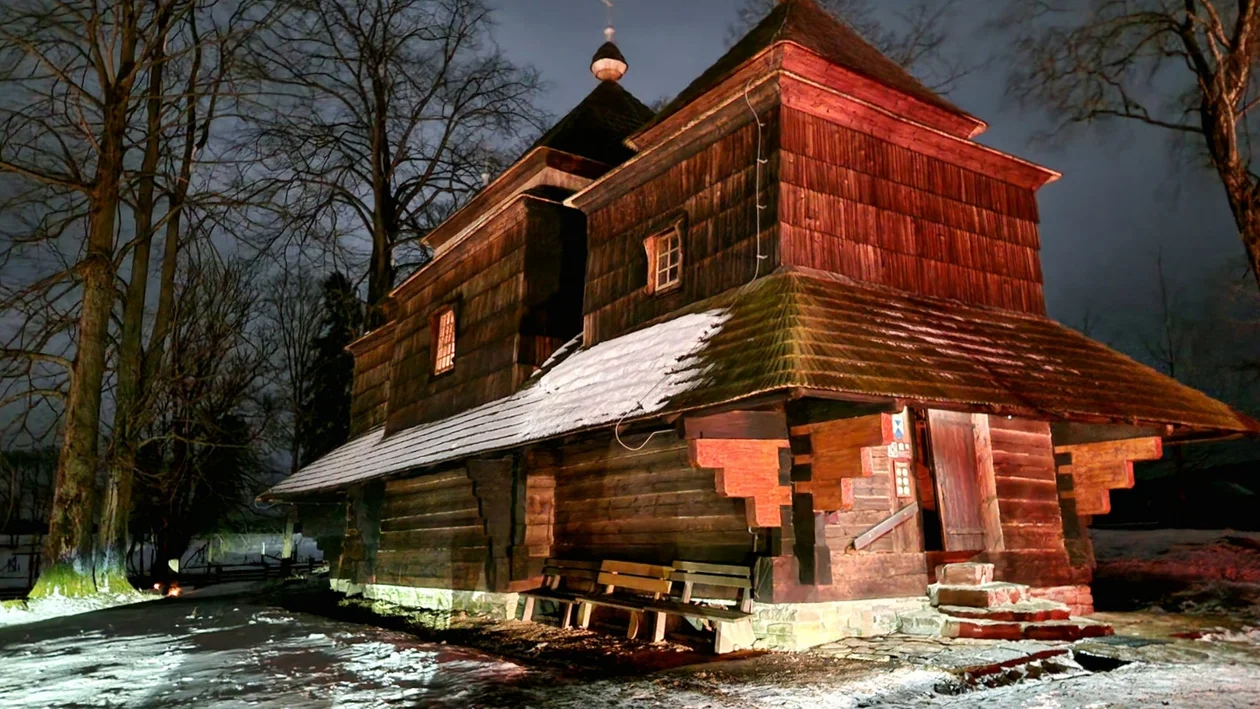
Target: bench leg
(567, 619)
(634, 624)
(528, 614)
(658, 627)
(584, 615)
(732, 635)
(722, 641)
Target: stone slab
(964, 574)
(986, 596)
(1024, 611)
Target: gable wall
(370, 394)
(859, 206)
(710, 183)
(485, 280)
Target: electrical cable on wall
(757, 180)
(756, 268)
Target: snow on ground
(1134, 686)
(1203, 572)
(231, 652)
(1190, 548)
(57, 606)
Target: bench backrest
(692, 573)
(573, 572)
(649, 578)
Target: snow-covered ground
(18, 613)
(226, 651)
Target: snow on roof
(633, 375)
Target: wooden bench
(691, 574)
(646, 588)
(564, 581)
(641, 578)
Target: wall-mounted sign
(899, 425)
(899, 450)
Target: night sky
(1124, 192)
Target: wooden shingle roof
(805, 23)
(818, 332)
(598, 126)
(807, 332)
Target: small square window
(664, 260)
(444, 341)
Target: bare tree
(916, 34)
(292, 308)
(199, 457)
(1182, 66)
(69, 69)
(184, 96)
(379, 116)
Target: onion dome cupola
(609, 64)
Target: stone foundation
(442, 602)
(799, 626)
(1079, 598)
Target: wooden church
(775, 359)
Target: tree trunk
(68, 547)
(116, 511)
(381, 278)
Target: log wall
(711, 182)
(433, 534)
(1033, 549)
(865, 208)
(649, 505)
(370, 395)
(489, 283)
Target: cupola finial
(609, 64)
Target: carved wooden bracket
(750, 469)
(1098, 468)
(832, 454)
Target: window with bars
(444, 341)
(665, 260)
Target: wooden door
(957, 480)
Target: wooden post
(584, 615)
(812, 553)
(286, 551)
(633, 630)
(528, 614)
(658, 628)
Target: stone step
(1030, 611)
(927, 622)
(964, 574)
(1064, 630)
(987, 595)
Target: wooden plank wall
(648, 505)
(859, 206)
(484, 281)
(352, 552)
(1028, 501)
(555, 268)
(433, 533)
(370, 394)
(713, 187)
(874, 500)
